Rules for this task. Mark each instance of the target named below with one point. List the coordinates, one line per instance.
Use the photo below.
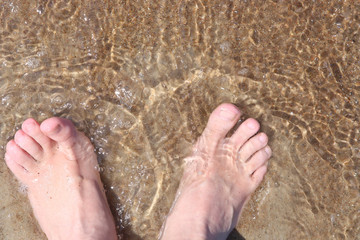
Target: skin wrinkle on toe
(28, 144)
(21, 157)
(251, 146)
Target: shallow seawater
(140, 78)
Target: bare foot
(57, 164)
(218, 178)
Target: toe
(253, 145)
(19, 172)
(32, 128)
(245, 131)
(28, 144)
(221, 120)
(60, 130)
(258, 159)
(258, 175)
(18, 155)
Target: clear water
(140, 78)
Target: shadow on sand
(235, 235)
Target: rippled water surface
(140, 78)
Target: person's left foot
(58, 165)
(219, 178)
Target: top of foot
(57, 164)
(218, 177)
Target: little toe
(258, 175)
(245, 131)
(221, 120)
(60, 130)
(253, 145)
(28, 144)
(258, 159)
(32, 128)
(19, 172)
(18, 155)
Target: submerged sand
(140, 78)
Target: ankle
(175, 231)
(195, 225)
(182, 229)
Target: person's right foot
(57, 164)
(218, 178)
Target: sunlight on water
(140, 79)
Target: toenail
(29, 125)
(251, 124)
(56, 129)
(227, 114)
(262, 138)
(268, 150)
(18, 135)
(53, 130)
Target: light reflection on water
(140, 79)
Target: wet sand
(141, 78)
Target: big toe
(60, 130)
(221, 120)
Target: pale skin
(58, 165)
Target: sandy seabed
(140, 78)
